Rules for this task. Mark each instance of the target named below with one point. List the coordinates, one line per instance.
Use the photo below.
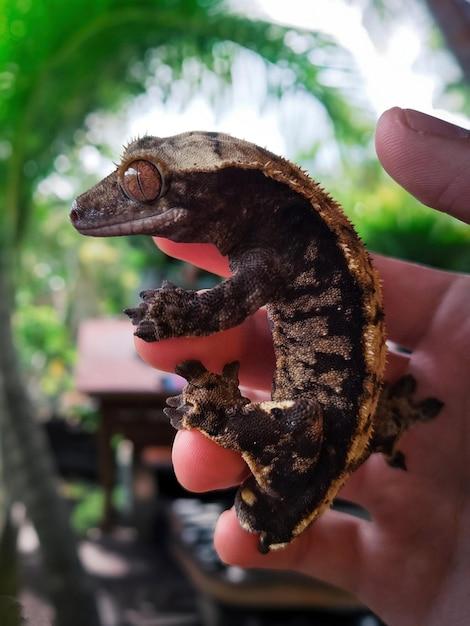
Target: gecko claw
(263, 543)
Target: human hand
(411, 562)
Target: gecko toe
(429, 408)
(404, 386)
(174, 401)
(190, 369)
(136, 314)
(146, 331)
(398, 461)
(176, 415)
(147, 294)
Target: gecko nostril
(74, 213)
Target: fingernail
(429, 125)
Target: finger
(331, 549)
(250, 344)
(427, 156)
(412, 294)
(203, 255)
(201, 465)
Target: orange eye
(142, 181)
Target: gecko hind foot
(273, 518)
(398, 410)
(397, 460)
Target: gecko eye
(141, 181)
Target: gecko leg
(174, 312)
(280, 441)
(397, 410)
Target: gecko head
(151, 192)
(176, 187)
(131, 200)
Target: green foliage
(458, 93)
(88, 510)
(392, 222)
(62, 60)
(47, 347)
(88, 501)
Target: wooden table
(130, 395)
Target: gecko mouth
(148, 225)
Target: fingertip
(427, 156)
(234, 545)
(390, 130)
(201, 465)
(390, 115)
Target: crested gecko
(291, 248)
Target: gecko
(292, 249)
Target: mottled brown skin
(292, 249)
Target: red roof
(108, 362)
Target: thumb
(427, 156)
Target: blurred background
(93, 526)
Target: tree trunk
(453, 18)
(29, 477)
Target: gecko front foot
(165, 312)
